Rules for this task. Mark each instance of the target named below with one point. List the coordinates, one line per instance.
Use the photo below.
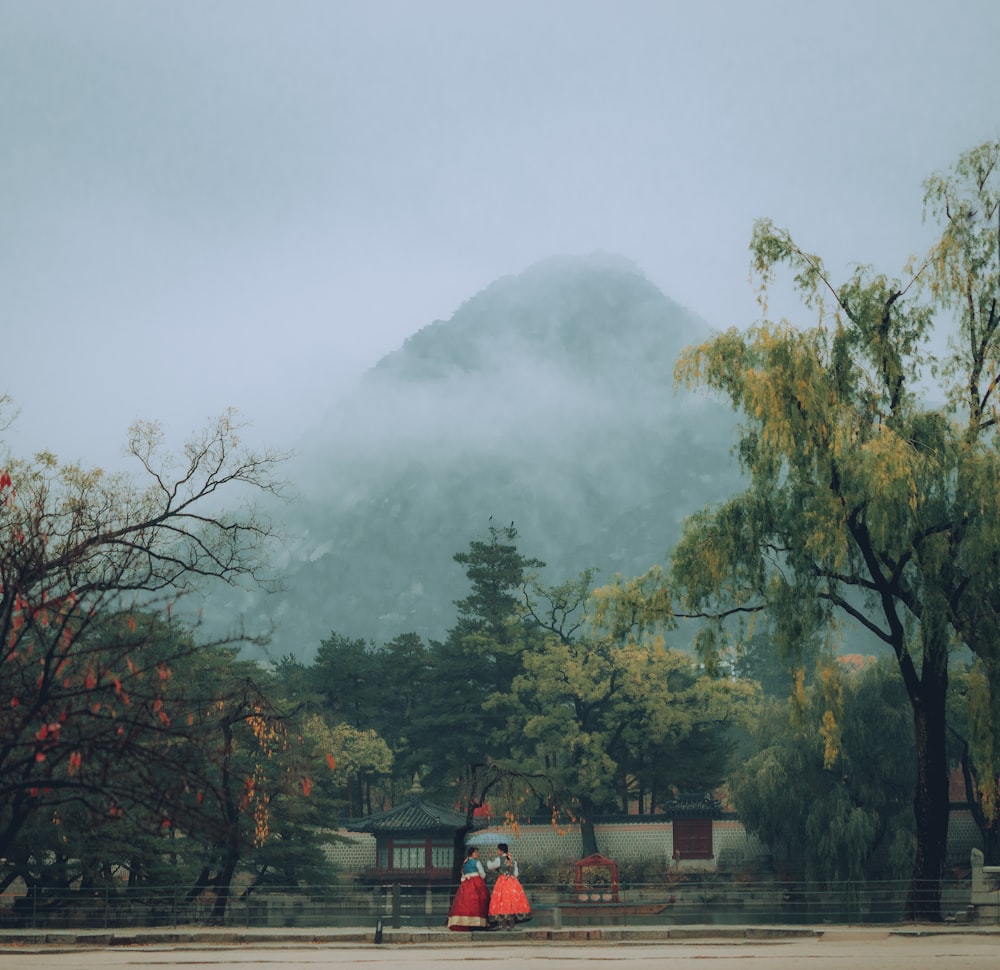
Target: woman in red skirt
(508, 902)
(471, 903)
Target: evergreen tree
(462, 721)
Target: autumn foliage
(113, 717)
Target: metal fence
(697, 901)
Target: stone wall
(643, 840)
(546, 846)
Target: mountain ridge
(547, 400)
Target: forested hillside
(546, 400)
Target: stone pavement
(305, 936)
(941, 947)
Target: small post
(397, 919)
(378, 930)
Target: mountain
(546, 400)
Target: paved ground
(829, 949)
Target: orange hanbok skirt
(508, 898)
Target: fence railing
(690, 901)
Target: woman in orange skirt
(508, 902)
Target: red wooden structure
(596, 879)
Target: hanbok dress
(471, 903)
(508, 901)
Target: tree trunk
(931, 800)
(991, 845)
(587, 834)
(458, 851)
(223, 882)
(989, 828)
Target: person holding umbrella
(508, 901)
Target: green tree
(356, 757)
(243, 768)
(600, 717)
(974, 719)
(462, 719)
(597, 716)
(826, 789)
(191, 763)
(865, 504)
(293, 685)
(758, 661)
(378, 689)
(491, 622)
(345, 673)
(404, 671)
(89, 711)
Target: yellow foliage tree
(866, 503)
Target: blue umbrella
(488, 838)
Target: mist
(239, 205)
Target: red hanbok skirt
(508, 898)
(470, 905)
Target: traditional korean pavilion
(414, 841)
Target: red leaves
(306, 786)
(75, 760)
(249, 788)
(49, 731)
(121, 692)
(5, 481)
(331, 761)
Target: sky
(246, 204)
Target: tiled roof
(693, 805)
(414, 815)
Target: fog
(249, 204)
(547, 401)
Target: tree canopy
(826, 789)
(107, 716)
(872, 467)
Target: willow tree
(833, 805)
(866, 503)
